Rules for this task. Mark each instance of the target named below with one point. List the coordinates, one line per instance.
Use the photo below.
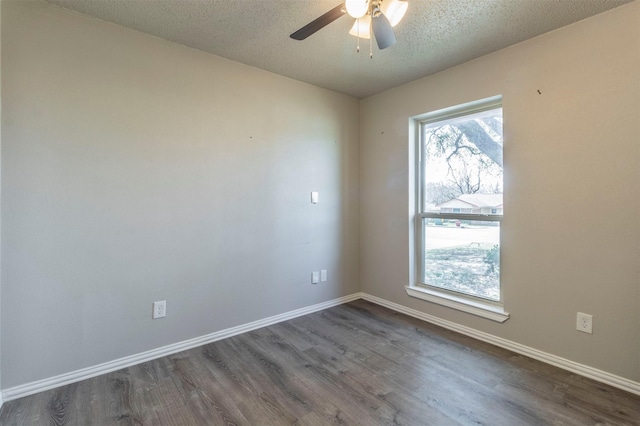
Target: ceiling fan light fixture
(357, 8)
(394, 10)
(382, 31)
(362, 27)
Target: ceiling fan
(373, 19)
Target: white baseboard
(20, 391)
(107, 367)
(565, 364)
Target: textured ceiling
(433, 36)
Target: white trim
(485, 310)
(128, 361)
(107, 367)
(565, 364)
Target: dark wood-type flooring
(358, 364)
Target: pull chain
(358, 38)
(371, 36)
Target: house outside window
(459, 181)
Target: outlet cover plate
(159, 309)
(584, 323)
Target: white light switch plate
(315, 197)
(323, 275)
(315, 277)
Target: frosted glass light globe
(357, 8)
(394, 10)
(362, 27)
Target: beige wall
(134, 170)
(571, 231)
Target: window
(459, 181)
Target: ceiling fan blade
(318, 24)
(383, 31)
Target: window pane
(463, 256)
(462, 164)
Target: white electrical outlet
(159, 309)
(323, 275)
(315, 277)
(584, 323)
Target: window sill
(484, 310)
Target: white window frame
(493, 310)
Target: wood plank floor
(358, 364)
